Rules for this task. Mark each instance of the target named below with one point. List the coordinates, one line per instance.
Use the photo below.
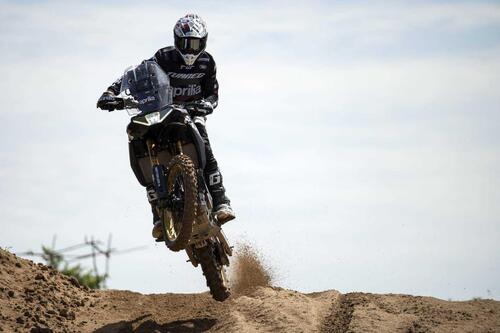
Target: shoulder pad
(165, 50)
(205, 57)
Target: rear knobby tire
(181, 165)
(214, 273)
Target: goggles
(190, 45)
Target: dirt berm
(35, 298)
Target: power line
(92, 244)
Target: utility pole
(54, 257)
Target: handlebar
(127, 102)
(120, 103)
(197, 108)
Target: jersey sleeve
(114, 88)
(210, 85)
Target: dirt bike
(171, 156)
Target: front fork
(159, 171)
(153, 150)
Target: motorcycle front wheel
(182, 188)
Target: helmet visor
(190, 45)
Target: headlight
(153, 118)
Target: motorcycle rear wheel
(181, 181)
(214, 272)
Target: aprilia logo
(191, 90)
(147, 99)
(186, 75)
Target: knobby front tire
(177, 227)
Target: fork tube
(152, 152)
(179, 147)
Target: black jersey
(189, 83)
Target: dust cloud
(249, 270)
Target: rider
(192, 74)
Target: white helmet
(190, 36)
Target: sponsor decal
(191, 90)
(152, 196)
(186, 66)
(214, 179)
(203, 66)
(147, 99)
(186, 76)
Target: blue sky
(358, 141)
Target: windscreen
(149, 85)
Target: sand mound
(35, 298)
(360, 312)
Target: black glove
(200, 108)
(109, 102)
